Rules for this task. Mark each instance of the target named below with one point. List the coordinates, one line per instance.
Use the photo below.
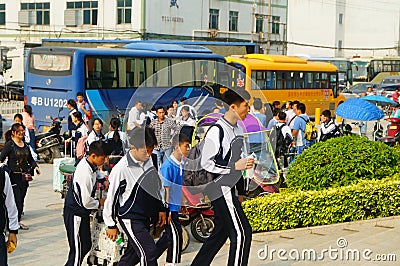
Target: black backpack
(194, 175)
(279, 141)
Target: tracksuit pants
(230, 221)
(141, 247)
(171, 239)
(20, 188)
(3, 250)
(79, 239)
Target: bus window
(130, 73)
(108, 68)
(204, 72)
(333, 84)
(142, 71)
(101, 73)
(282, 79)
(149, 71)
(223, 75)
(54, 64)
(299, 80)
(257, 83)
(269, 79)
(317, 81)
(161, 78)
(324, 81)
(309, 80)
(183, 74)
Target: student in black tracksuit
(80, 202)
(135, 199)
(8, 215)
(229, 218)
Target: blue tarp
(359, 109)
(380, 100)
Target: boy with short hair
(80, 202)
(83, 107)
(172, 172)
(229, 218)
(135, 198)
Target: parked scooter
(198, 213)
(393, 132)
(48, 143)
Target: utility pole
(269, 26)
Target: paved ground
(45, 243)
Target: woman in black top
(20, 162)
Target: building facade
(344, 28)
(24, 23)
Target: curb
(386, 222)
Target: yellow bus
(287, 78)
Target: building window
(124, 11)
(340, 18)
(213, 20)
(2, 14)
(275, 24)
(233, 20)
(89, 11)
(340, 44)
(42, 11)
(259, 23)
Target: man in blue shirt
(172, 172)
(257, 140)
(299, 128)
(274, 121)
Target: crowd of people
(157, 140)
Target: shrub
(292, 209)
(340, 162)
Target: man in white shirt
(291, 114)
(2, 80)
(134, 115)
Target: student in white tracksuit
(8, 215)
(135, 199)
(230, 220)
(80, 202)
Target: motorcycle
(393, 132)
(47, 143)
(198, 214)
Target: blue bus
(221, 48)
(109, 77)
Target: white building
(343, 28)
(23, 23)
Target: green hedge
(341, 162)
(293, 209)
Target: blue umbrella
(380, 100)
(359, 109)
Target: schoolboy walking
(229, 218)
(80, 202)
(8, 216)
(135, 199)
(172, 173)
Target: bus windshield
(48, 63)
(360, 70)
